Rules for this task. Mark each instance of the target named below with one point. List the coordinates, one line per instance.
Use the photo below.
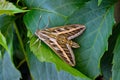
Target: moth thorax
(62, 39)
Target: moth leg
(36, 41)
(39, 44)
(30, 39)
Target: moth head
(37, 32)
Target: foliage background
(97, 58)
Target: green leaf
(7, 69)
(8, 8)
(99, 2)
(116, 59)
(6, 65)
(6, 28)
(53, 58)
(3, 42)
(97, 19)
(45, 70)
(6, 50)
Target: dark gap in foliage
(99, 78)
(25, 72)
(106, 61)
(18, 51)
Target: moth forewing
(59, 40)
(76, 31)
(70, 31)
(72, 59)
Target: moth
(59, 39)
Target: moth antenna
(48, 22)
(40, 17)
(38, 29)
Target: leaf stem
(21, 44)
(21, 63)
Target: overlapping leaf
(106, 62)
(46, 71)
(116, 59)
(99, 2)
(8, 8)
(6, 64)
(3, 42)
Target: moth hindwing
(59, 39)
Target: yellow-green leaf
(9, 9)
